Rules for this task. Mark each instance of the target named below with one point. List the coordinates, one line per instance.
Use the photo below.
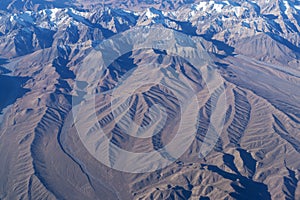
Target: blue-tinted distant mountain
(19, 5)
(236, 24)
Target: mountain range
(253, 45)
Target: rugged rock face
(268, 30)
(254, 45)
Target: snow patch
(287, 6)
(53, 15)
(150, 14)
(210, 6)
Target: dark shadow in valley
(105, 32)
(23, 42)
(221, 46)
(4, 70)
(249, 161)
(290, 185)
(285, 42)
(188, 29)
(123, 65)
(3, 61)
(11, 89)
(222, 65)
(44, 36)
(229, 162)
(61, 62)
(244, 187)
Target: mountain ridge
(253, 45)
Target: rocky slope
(254, 46)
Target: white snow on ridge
(201, 5)
(218, 7)
(212, 5)
(53, 14)
(291, 7)
(11, 18)
(226, 2)
(287, 7)
(238, 11)
(82, 14)
(150, 14)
